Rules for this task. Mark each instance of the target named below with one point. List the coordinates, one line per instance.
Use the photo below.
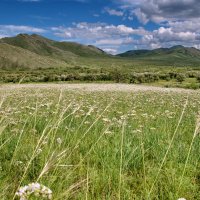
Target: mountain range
(173, 51)
(35, 51)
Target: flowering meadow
(94, 145)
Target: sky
(113, 25)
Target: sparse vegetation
(172, 79)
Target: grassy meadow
(100, 145)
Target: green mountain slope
(58, 50)
(176, 51)
(176, 55)
(12, 57)
(35, 51)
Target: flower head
(35, 189)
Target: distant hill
(35, 51)
(175, 51)
(46, 47)
(176, 55)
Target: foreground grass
(100, 145)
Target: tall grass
(100, 145)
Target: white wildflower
(59, 141)
(35, 189)
(38, 151)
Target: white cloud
(178, 21)
(111, 51)
(163, 10)
(141, 16)
(197, 46)
(167, 35)
(115, 42)
(100, 34)
(155, 45)
(3, 36)
(97, 31)
(14, 28)
(113, 12)
(110, 36)
(11, 30)
(192, 25)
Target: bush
(172, 75)
(198, 77)
(180, 78)
(119, 77)
(143, 78)
(89, 77)
(133, 78)
(165, 77)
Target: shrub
(133, 78)
(198, 77)
(180, 78)
(172, 75)
(119, 77)
(165, 77)
(143, 78)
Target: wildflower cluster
(181, 199)
(35, 189)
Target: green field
(100, 145)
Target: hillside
(46, 47)
(175, 54)
(12, 57)
(35, 51)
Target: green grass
(188, 83)
(115, 145)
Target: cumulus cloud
(14, 28)
(111, 51)
(163, 10)
(140, 15)
(96, 31)
(113, 12)
(192, 25)
(105, 36)
(115, 42)
(108, 36)
(10, 30)
(178, 21)
(167, 35)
